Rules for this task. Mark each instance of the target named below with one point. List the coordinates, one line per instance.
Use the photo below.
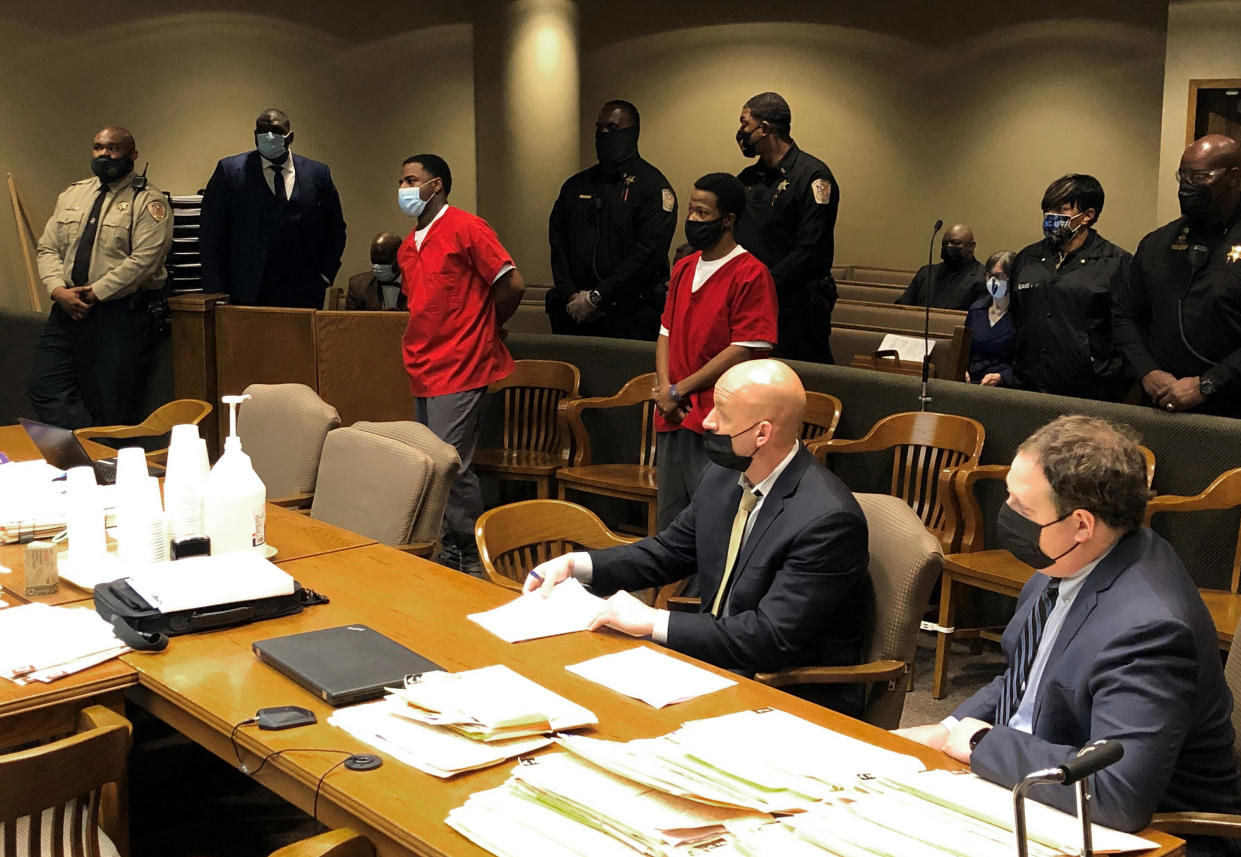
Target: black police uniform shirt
(1145, 318)
(610, 231)
(1063, 317)
(789, 224)
(952, 288)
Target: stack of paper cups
(184, 482)
(131, 476)
(146, 531)
(85, 517)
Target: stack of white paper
(39, 642)
(488, 704)
(434, 750)
(33, 501)
(653, 677)
(204, 581)
(568, 608)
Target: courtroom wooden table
(204, 684)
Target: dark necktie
(277, 176)
(1027, 647)
(86, 243)
(748, 501)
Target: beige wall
(1204, 42)
(968, 125)
(189, 86)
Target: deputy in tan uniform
(101, 259)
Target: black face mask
(613, 148)
(108, 170)
(952, 255)
(702, 234)
(719, 450)
(1019, 536)
(1197, 202)
(746, 144)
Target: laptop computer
(352, 663)
(61, 449)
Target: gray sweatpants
(454, 419)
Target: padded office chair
(904, 564)
(159, 422)
(1212, 823)
(925, 447)
(381, 480)
(282, 427)
(60, 784)
(515, 538)
(535, 440)
(633, 480)
(990, 570)
(342, 842)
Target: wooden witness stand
(203, 684)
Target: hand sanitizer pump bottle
(234, 503)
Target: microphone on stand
(925, 398)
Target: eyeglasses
(1198, 178)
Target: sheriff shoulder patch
(822, 189)
(670, 199)
(157, 210)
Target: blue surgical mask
(271, 145)
(998, 287)
(384, 273)
(410, 199)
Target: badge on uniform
(122, 206)
(670, 200)
(157, 210)
(1234, 253)
(822, 189)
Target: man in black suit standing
(272, 232)
(778, 542)
(1110, 640)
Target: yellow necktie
(748, 501)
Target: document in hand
(651, 676)
(434, 750)
(568, 608)
(488, 704)
(39, 642)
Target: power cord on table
(352, 761)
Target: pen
(536, 576)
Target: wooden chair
(536, 442)
(821, 417)
(335, 843)
(513, 539)
(628, 481)
(904, 564)
(925, 446)
(160, 422)
(58, 787)
(990, 570)
(1224, 492)
(1211, 823)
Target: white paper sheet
(568, 608)
(907, 347)
(205, 581)
(651, 676)
(39, 642)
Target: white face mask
(997, 286)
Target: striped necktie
(1023, 658)
(749, 499)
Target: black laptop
(61, 449)
(352, 663)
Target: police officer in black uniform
(610, 231)
(1062, 292)
(789, 224)
(1178, 319)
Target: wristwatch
(978, 736)
(683, 401)
(594, 297)
(1206, 387)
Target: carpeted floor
(187, 803)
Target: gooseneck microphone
(1090, 759)
(925, 398)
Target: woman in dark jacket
(991, 352)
